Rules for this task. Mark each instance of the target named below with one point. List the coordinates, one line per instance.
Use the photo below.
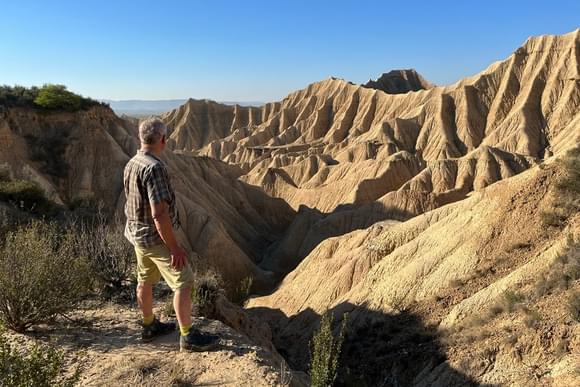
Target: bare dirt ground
(105, 341)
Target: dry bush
(532, 319)
(511, 299)
(563, 272)
(41, 276)
(38, 365)
(566, 193)
(241, 293)
(111, 257)
(571, 162)
(206, 286)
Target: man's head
(152, 133)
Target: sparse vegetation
(110, 256)
(325, 352)
(40, 275)
(532, 318)
(39, 365)
(566, 193)
(571, 182)
(242, 292)
(563, 272)
(511, 299)
(206, 284)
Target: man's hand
(178, 258)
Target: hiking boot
(196, 341)
(156, 329)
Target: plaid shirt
(146, 183)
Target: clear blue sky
(258, 50)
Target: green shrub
(40, 275)
(325, 352)
(241, 293)
(206, 284)
(39, 366)
(17, 96)
(26, 195)
(57, 97)
(48, 97)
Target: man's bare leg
(152, 327)
(182, 306)
(145, 300)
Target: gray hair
(152, 130)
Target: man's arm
(160, 212)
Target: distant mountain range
(140, 107)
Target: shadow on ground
(380, 349)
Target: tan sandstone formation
(79, 155)
(359, 155)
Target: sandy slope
(445, 270)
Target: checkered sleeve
(157, 183)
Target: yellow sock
(184, 329)
(148, 320)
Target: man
(151, 219)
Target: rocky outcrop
(198, 122)
(399, 82)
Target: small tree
(40, 275)
(325, 352)
(57, 97)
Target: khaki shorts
(155, 262)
